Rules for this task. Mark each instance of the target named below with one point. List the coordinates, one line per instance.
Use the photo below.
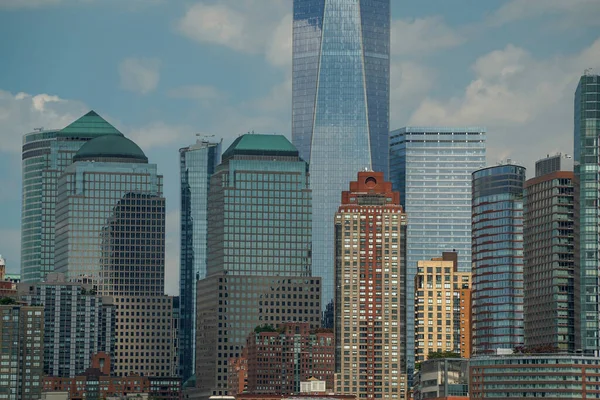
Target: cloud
(172, 249)
(140, 75)
(410, 83)
(572, 13)
(20, 113)
(158, 134)
(520, 99)
(242, 26)
(196, 92)
(421, 36)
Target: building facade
(110, 219)
(259, 253)
(370, 238)
(442, 379)
(22, 344)
(78, 323)
(278, 360)
(549, 264)
(46, 153)
(587, 233)
(522, 376)
(340, 105)
(197, 163)
(497, 276)
(441, 310)
(431, 167)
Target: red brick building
(278, 360)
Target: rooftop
(110, 146)
(91, 124)
(261, 145)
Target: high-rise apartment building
(22, 356)
(78, 323)
(46, 153)
(549, 270)
(197, 163)
(259, 253)
(431, 167)
(370, 250)
(110, 219)
(497, 276)
(340, 105)
(587, 197)
(441, 307)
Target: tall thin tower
(340, 105)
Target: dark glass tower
(197, 163)
(45, 156)
(497, 275)
(340, 105)
(587, 132)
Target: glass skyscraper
(197, 163)
(110, 219)
(431, 167)
(46, 153)
(340, 105)
(497, 276)
(587, 245)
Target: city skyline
(500, 65)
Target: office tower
(110, 219)
(340, 106)
(431, 168)
(442, 379)
(587, 246)
(22, 344)
(259, 244)
(549, 273)
(370, 250)
(497, 276)
(7, 287)
(78, 323)
(441, 313)
(278, 360)
(46, 153)
(197, 163)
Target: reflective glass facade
(45, 155)
(431, 167)
(587, 246)
(340, 105)
(497, 276)
(110, 222)
(197, 163)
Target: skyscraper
(197, 163)
(110, 219)
(587, 233)
(431, 167)
(497, 274)
(340, 105)
(549, 273)
(370, 335)
(46, 153)
(259, 242)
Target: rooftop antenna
(39, 129)
(587, 71)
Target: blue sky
(162, 71)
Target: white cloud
(409, 84)
(140, 75)
(20, 113)
(572, 13)
(172, 248)
(520, 99)
(420, 36)
(158, 134)
(196, 92)
(242, 26)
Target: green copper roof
(110, 146)
(261, 145)
(90, 125)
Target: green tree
(442, 354)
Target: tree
(4, 301)
(264, 328)
(442, 354)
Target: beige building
(442, 307)
(370, 238)
(145, 336)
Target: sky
(163, 71)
